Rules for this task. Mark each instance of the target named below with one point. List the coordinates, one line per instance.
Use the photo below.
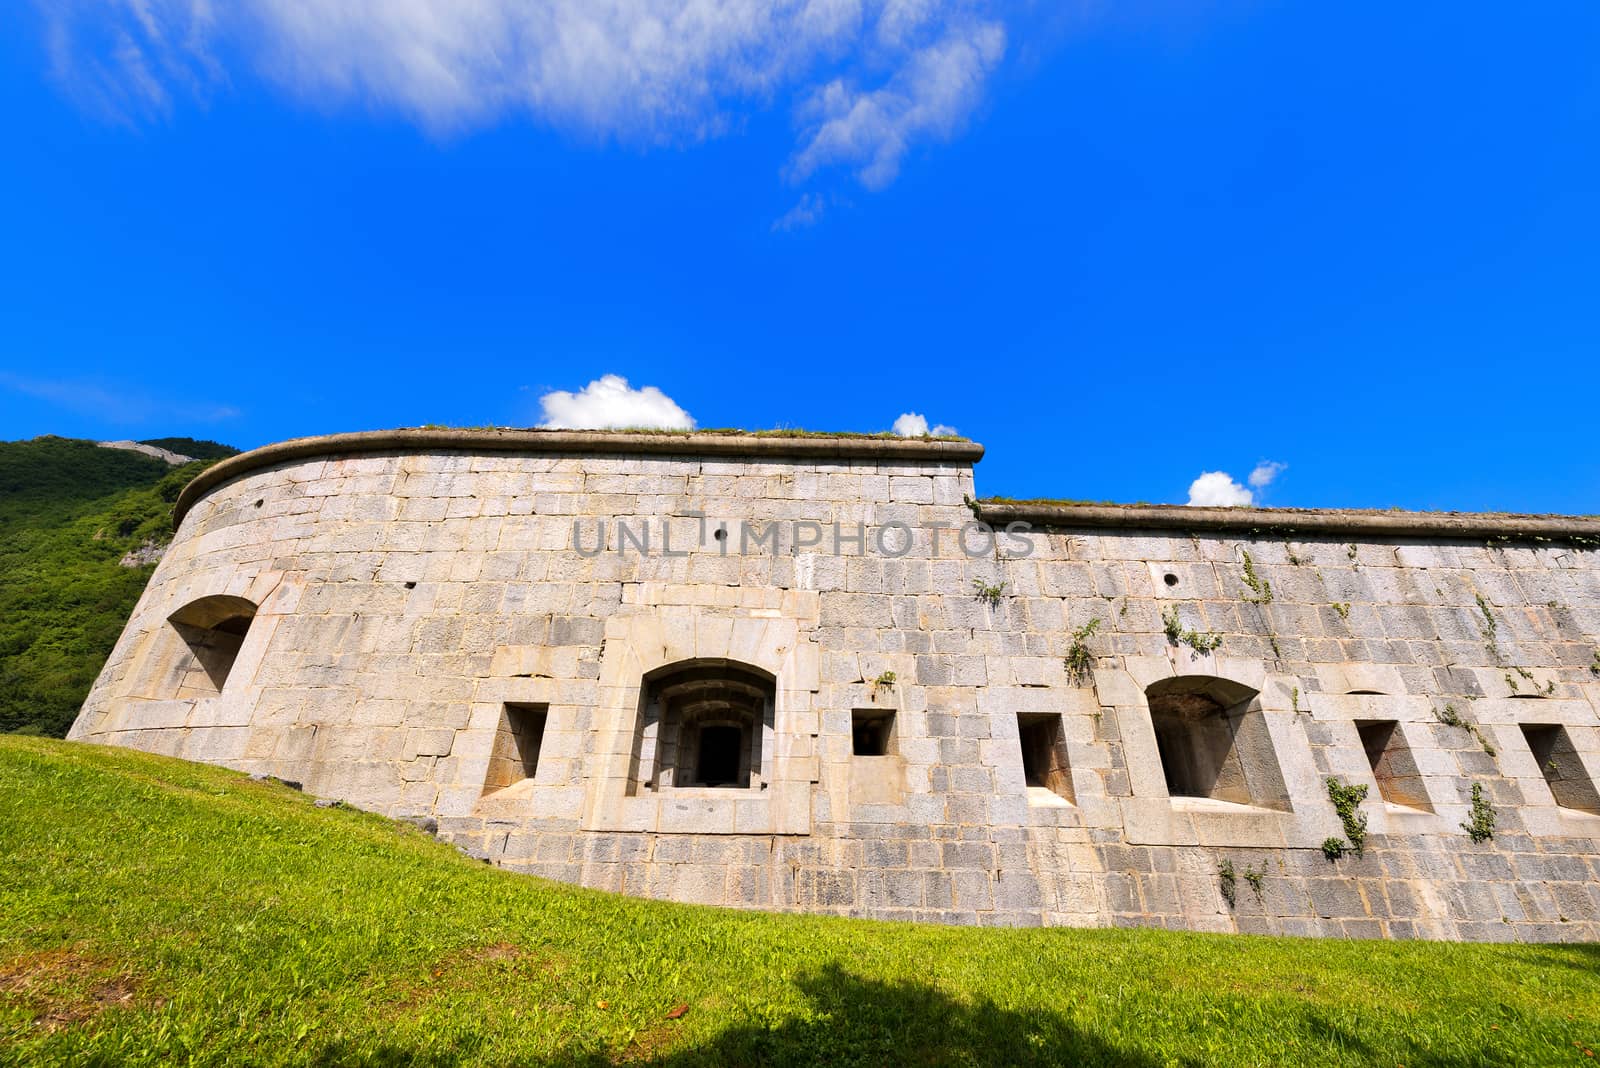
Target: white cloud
(902, 18)
(803, 214)
(1217, 489)
(929, 98)
(609, 403)
(641, 70)
(912, 425)
(1265, 472)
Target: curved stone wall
(847, 703)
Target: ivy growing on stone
(1258, 585)
(1079, 661)
(1229, 880)
(1347, 803)
(1488, 625)
(989, 595)
(1450, 717)
(1480, 820)
(1178, 634)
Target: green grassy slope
(69, 511)
(155, 911)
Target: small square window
(1561, 766)
(515, 756)
(1044, 754)
(871, 732)
(1399, 781)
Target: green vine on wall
(1229, 881)
(1079, 661)
(1347, 803)
(1178, 634)
(1450, 717)
(1488, 626)
(1258, 585)
(1255, 879)
(1480, 820)
(1262, 591)
(989, 595)
(1547, 690)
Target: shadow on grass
(1582, 956)
(852, 1021)
(859, 1021)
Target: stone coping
(1330, 522)
(580, 442)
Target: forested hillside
(70, 512)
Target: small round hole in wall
(1170, 579)
(260, 502)
(411, 585)
(720, 534)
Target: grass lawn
(156, 911)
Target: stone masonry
(797, 674)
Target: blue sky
(1121, 245)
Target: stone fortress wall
(419, 623)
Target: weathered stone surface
(452, 627)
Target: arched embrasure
(705, 723)
(213, 629)
(1213, 741)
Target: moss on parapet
(1494, 527)
(718, 431)
(1056, 502)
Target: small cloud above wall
(609, 403)
(1217, 489)
(913, 425)
(1265, 472)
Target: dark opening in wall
(214, 629)
(515, 756)
(702, 723)
(1044, 753)
(1213, 741)
(718, 760)
(871, 731)
(1561, 766)
(1399, 781)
